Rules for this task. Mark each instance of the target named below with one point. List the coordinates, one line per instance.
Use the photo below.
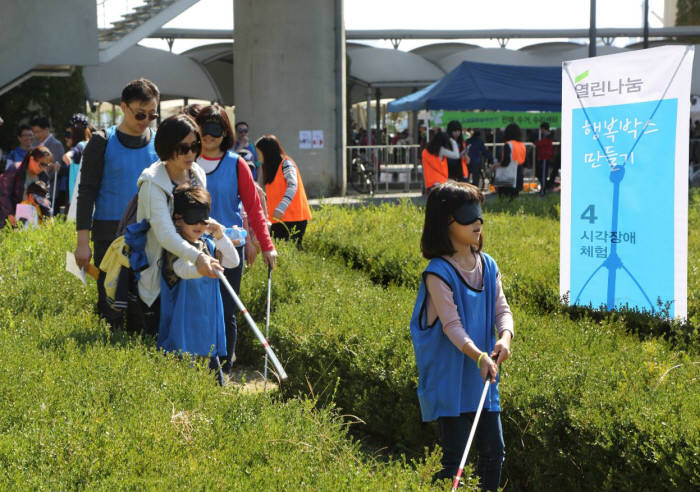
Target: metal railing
(401, 164)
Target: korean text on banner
(624, 198)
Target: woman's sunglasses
(68, 134)
(183, 148)
(140, 116)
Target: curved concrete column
(289, 77)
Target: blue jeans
(488, 440)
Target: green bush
(384, 241)
(84, 408)
(583, 401)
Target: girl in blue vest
(461, 330)
(191, 309)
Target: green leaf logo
(580, 77)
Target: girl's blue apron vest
(122, 169)
(192, 316)
(449, 382)
(222, 185)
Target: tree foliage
(55, 97)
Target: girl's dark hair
(187, 196)
(440, 139)
(442, 201)
(171, 132)
(513, 133)
(37, 153)
(453, 126)
(273, 154)
(216, 113)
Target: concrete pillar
(289, 76)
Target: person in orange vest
(434, 159)
(457, 168)
(513, 149)
(287, 206)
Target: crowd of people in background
(480, 151)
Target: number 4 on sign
(589, 214)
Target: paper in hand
(72, 267)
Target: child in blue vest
(191, 309)
(461, 330)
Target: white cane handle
(280, 370)
(472, 432)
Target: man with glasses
(245, 148)
(25, 136)
(112, 163)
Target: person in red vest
(287, 206)
(513, 150)
(434, 159)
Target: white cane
(268, 350)
(53, 193)
(267, 317)
(472, 432)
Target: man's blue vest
(222, 185)
(122, 169)
(449, 382)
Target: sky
(425, 14)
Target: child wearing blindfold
(38, 196)
(461, 330)
(191, 309)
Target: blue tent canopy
(486, 86)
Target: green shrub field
(84, 408)
(583, 402)
(591, 401)
(522, 235)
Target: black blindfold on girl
(468, 213)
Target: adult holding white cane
(461, 330)
(234, 196)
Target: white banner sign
(624, 167)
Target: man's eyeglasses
(43, 164)
(183, 148)
(242, 130)
(140, 116)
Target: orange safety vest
(518, 152)
(298, 209)
(434, 169)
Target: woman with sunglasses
(231, 184)
(178, 144)
(15, 181)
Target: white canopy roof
(382, 67)
(176, 76)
